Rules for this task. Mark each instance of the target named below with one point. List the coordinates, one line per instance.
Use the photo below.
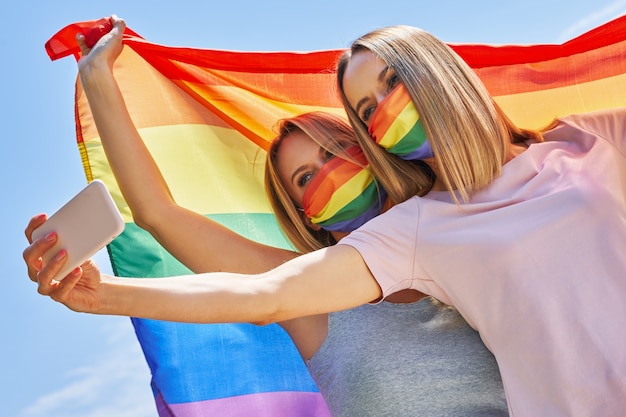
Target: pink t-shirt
(536, 263)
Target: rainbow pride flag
(207, 117)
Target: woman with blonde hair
(523, 232)
(347, 353)
(466, 162)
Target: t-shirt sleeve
(387, 245)
(609, 124)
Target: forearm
(327, 280)
(220, 298)
(137, 174)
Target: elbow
(271, 319)
(141, 217)
(263, 322)
(143, 222)
(150, 216)
(271, 314)
(147, 225)
(269, 304)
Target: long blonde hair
(334, 134)
(469, 133)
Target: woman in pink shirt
(523, 232)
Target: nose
(323, 157)
(319, 162)
(380, 95)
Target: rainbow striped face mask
(343, 196)
(397, 127)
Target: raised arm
(326, 280)
(198, 242)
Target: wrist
(92, 72)
(111, 296)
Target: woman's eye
(328, 156)
(367, 114)
(392, 81)
(304, 179)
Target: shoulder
(607, 124)
(387, 245)
(603, 122)
(399, 221)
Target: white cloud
(115, 384)
(609, 12)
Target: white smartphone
(84, 225)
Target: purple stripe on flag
(162, 407)
(270, 404)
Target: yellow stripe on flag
(218, 162)
(538, 108)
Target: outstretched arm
(326, 280)
(198, 242)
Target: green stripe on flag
(136, 254)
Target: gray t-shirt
(406, 360)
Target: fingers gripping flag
(207, 117)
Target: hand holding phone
(84, 225)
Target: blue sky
(54, 362)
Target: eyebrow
(303, 167)
(379, 79)
(296, 172)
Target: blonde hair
(332, 133)
(469, 133)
